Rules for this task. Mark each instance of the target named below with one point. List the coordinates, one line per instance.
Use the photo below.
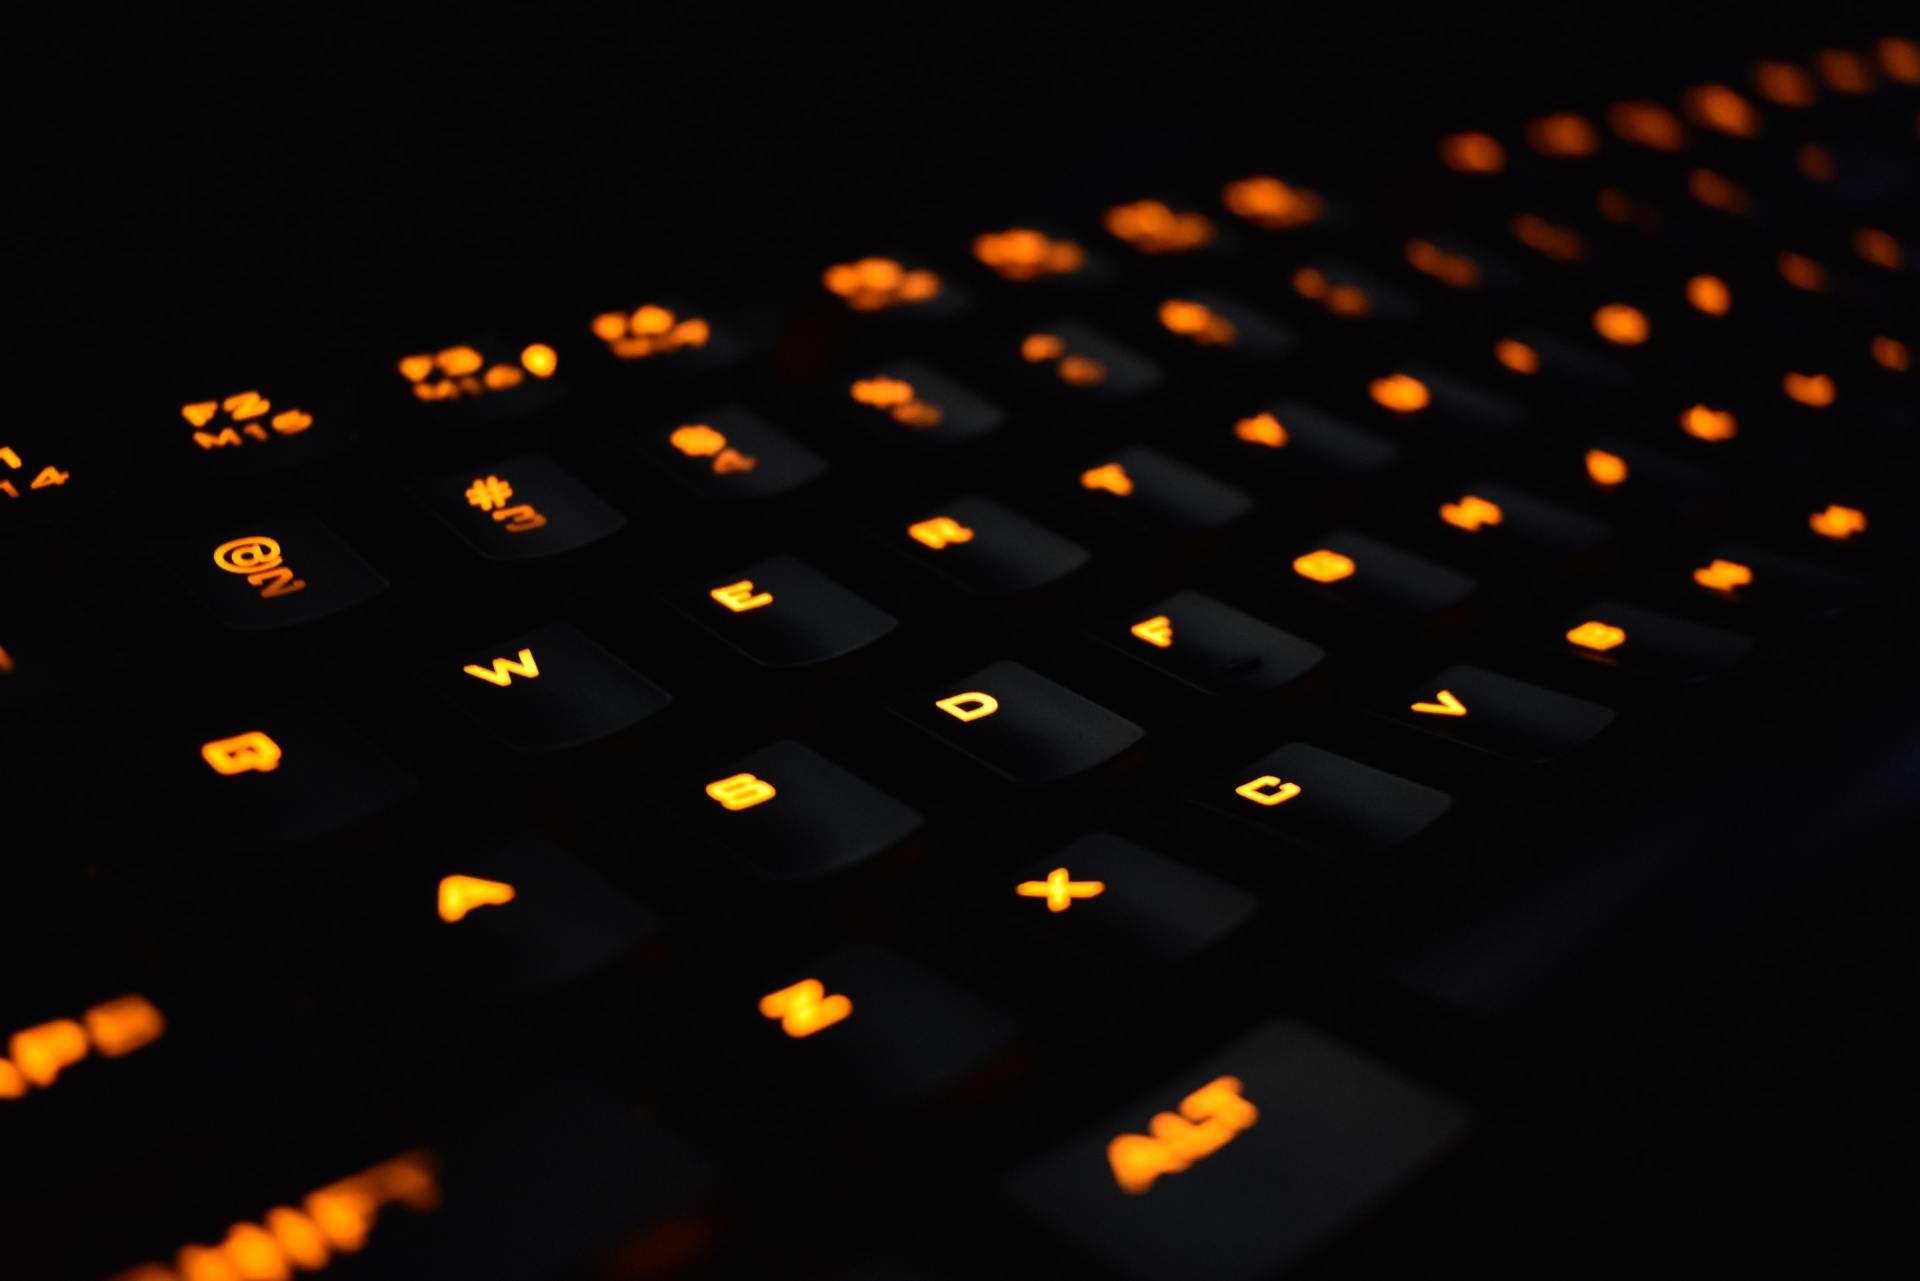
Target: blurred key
(1242, 1165)
(782, 612)
(481, 380)
(1212, 325)
(520, 509)
(1161, 495)
(1755, 581)
(1020, 725)
(909, 402)
(275, 573)
(1335, 288)
(987, 548)
(1074, 362)
(1212, 647)
(1504, 521)
(1500, 715)
(1652, 644)
(1372, 577)
(262, 427)
(729, 453)
(1419, 395)
(548, 689)
(1309, 797)
(1287, 435)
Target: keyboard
(1237, 725)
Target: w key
(549, 689)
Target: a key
(789, 814)
(1752, 580)
(729, 453)
(1147, 489)
(1500, 715)
(987, 548)
(278, 572)
(1241, 1165)
(1652, 644)
(782, 612)
(669, 338)
(548, 689)
(1015, 722)
(1371, 577)
(1310, 797)
(1646, 479)
(1503, 521)
(1286, 436)
(1208, 324)
(1076, 363)
(262, 427)
(909, 402)
(520, 509)
(482, 380)
(1335, 288)
(1419, 396)
(1212, 647)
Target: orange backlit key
(1786, 588)
(261, 430)
(484, 379)
(1503, 716)
(1159, 494)
(1502, 521)
(1288, 436)
(1073, 363)
(1212, 648)
(275, 573)
(519, 509)
(1013, 721)
(910, 403)
(805, 618)
(548, 689)
(1208, 325)
(1420, 398)
(728, 453)
(1354, 572)
(1340, 807)
(1331, 291)
(1652, 644)
(986, 548)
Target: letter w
(505, 669)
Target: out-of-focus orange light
(1549, 240)
(1323, 566)
(1597, 636)
(698, 440)
(39, 1054)
(1564, 134)
(1891, 353)
(460, 895)
(741, 791)
(502, 670)
(896, 398)
(1108, 478)
(1152, 228)
(1444, 704)
(252, 752)
(1517, 356)
(1606, 469)
(1453, 269)
(1717, 191)
(741, 596)
(1473, 153)
(1059, 890)
(805, 1008)
(249, 419)
(1021, 254)
(1844, 71)
(1784, 85)
(1879, 248)
(939, 531)
(1268, 789)
(970, 706)
(1715, 106)
(6, 662)
(1621, 324)
(1709, 294)
(1725, 576)
(1207, 1121)
(1838, 523)
(878, 284)
(1803, 272)
(1035, 348)
(539, 360)
(1816, 391)
(1072, 368)
(1197, 321)
(1156, 631)
(1714, 425)
(1402, 393)
(36, 1056)
(123, 1025)
(455, 373)
(1261, 429)
(650, 331)
(1815, 162)
(1899, 58)
(1648, 124)
(1340, 298)
(1270, 203)
(1471, 513)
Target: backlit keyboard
(1147, 739)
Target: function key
(782, 612)
(1161, 495)
(1241, 1165)
(989, 549)
(521, 509)
(254, 430)
(1362, 574)
(729, 453)
(1329, 804)
(1652, 644)
(282, 573)
(911, 403)
(1076, 363)
(1502, 716)
(1212, 647)
(1020, 725)
(485, 380)
(549, 689)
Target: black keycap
(520, 917)
(1647, 643)
(789, 814)
(782, 612)
(1076, 362)
(1288, 436)
(1337, 288)
(262, 427)
(1327, 803)
(1149, 490)
(729, 453)
(987, 548)
(1419, 395)
(1501, 520)
(1022, 726)
(45, 649)
(904, 1035)
(481, 380)
(1373, 578)
(284, 776)
(1212, 647)
(1306, 1136)
(670, 338)
(548, 689)
(274, 573)
(908, 402)
(889, 292)
(1150, 911)
(1459, 264)
(1647, 479)
(520, 509)
(1752, 580)
(1566, 366)
(1212, 324)
(1500, 715)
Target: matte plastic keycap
(261, 426)
(987, 548)
(1376, 578)
(482, 379)
(1321, 1134)
(278, 572)
(789, 814)
(1287, 436)
(782, 612)
(1337, 288)
(1500, 715)
(1754, 580)
(1332, 805)
(1442, 400)
(523, 508)
(1503, 521)
(1212, 647)
(1147, 489)
(1649, 643)
(729, 453)
(1020, 725)
(1073, 361)
(909, 402)
(548, 689)
(1213, 324)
